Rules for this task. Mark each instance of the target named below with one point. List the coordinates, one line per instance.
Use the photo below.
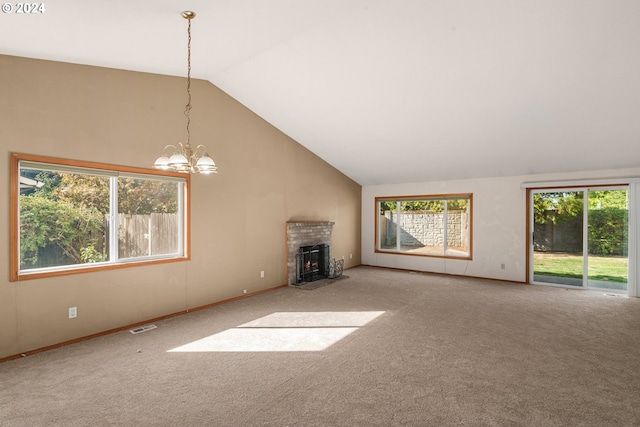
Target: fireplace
(312, 263)
(301, 234)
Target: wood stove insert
(312, 263)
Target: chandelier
(183, 157)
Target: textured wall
(237, 216)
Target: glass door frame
(631, 288)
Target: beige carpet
(381, 348)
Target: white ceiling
(388, 91)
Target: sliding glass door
(608, 239)
(580, 237)
(558, 224)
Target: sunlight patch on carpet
(284, 331)
(314, 319)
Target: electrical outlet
(73, 312)
(244, 291)
(350, 256)
(503, 266)
(262, 274)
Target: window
(69, 216)
(425, 225)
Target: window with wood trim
(438, 225)
(71, 216)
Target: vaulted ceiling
(387, 91)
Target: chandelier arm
(199, 151)
(170, 148)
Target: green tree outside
(607, 216)
(68, 213)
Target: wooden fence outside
(146, 235)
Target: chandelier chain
(187, 109)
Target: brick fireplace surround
(304, 233)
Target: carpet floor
(381, 348)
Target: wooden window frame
(14, 233)
(379, 199)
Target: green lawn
(612, 269)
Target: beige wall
(499, 212)
(238, 216)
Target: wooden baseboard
(134, 325)
(445, 274)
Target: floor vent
(141, 329)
